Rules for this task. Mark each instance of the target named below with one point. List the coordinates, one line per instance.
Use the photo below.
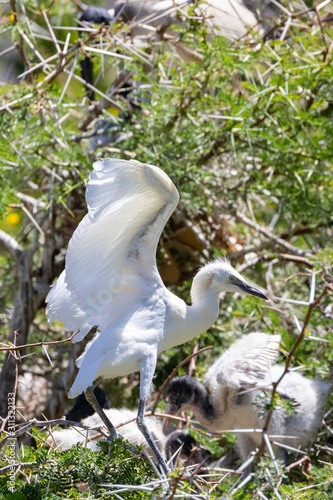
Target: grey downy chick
(233, 396)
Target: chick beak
(247, 288)
(170, 410)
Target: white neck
(186, 322)
(202, 313)
(197, 318)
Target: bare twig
(10, 244)
(301, 336)
(259, 258)
(303, 461)
(266, 232)
(37, 344)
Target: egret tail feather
(84, 379)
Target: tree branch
(286, 368)
(266, 232)
(267, 257)
(37, 344)
(10, 244)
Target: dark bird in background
(106, 131)
(92, 15)
(82, 409)
(97, 15)
(109, 131)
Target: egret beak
(247, 288)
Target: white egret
(224, 401)
(111, 281)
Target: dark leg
(91, 398)
(149, 438)
(146, 376)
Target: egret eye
(232, 278)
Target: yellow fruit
(114, 112)
(13, 219)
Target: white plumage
(246, 362)
(111, 280)
(64, 439)
(177, 443)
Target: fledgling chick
(233, 396)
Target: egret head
(219, 276)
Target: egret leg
(91, 398)
(148, 365)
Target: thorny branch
(268, 257)
(37, 344)
(266, 232)
(19, 44)
(44, 424)
(301, 336)
(295, 15)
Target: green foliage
(79, 469)
(264, 402)
(210, 444)
(318, 484)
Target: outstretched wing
(247, 361)
(113, 250)
(61, 306)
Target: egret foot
(111, 437)
(91, 398)
(144, 429)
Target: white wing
(60, 306)
(113, 250)
(246, 362)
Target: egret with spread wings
(111, 281)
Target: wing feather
(113, 249)
(246, 362)
(60, 306)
